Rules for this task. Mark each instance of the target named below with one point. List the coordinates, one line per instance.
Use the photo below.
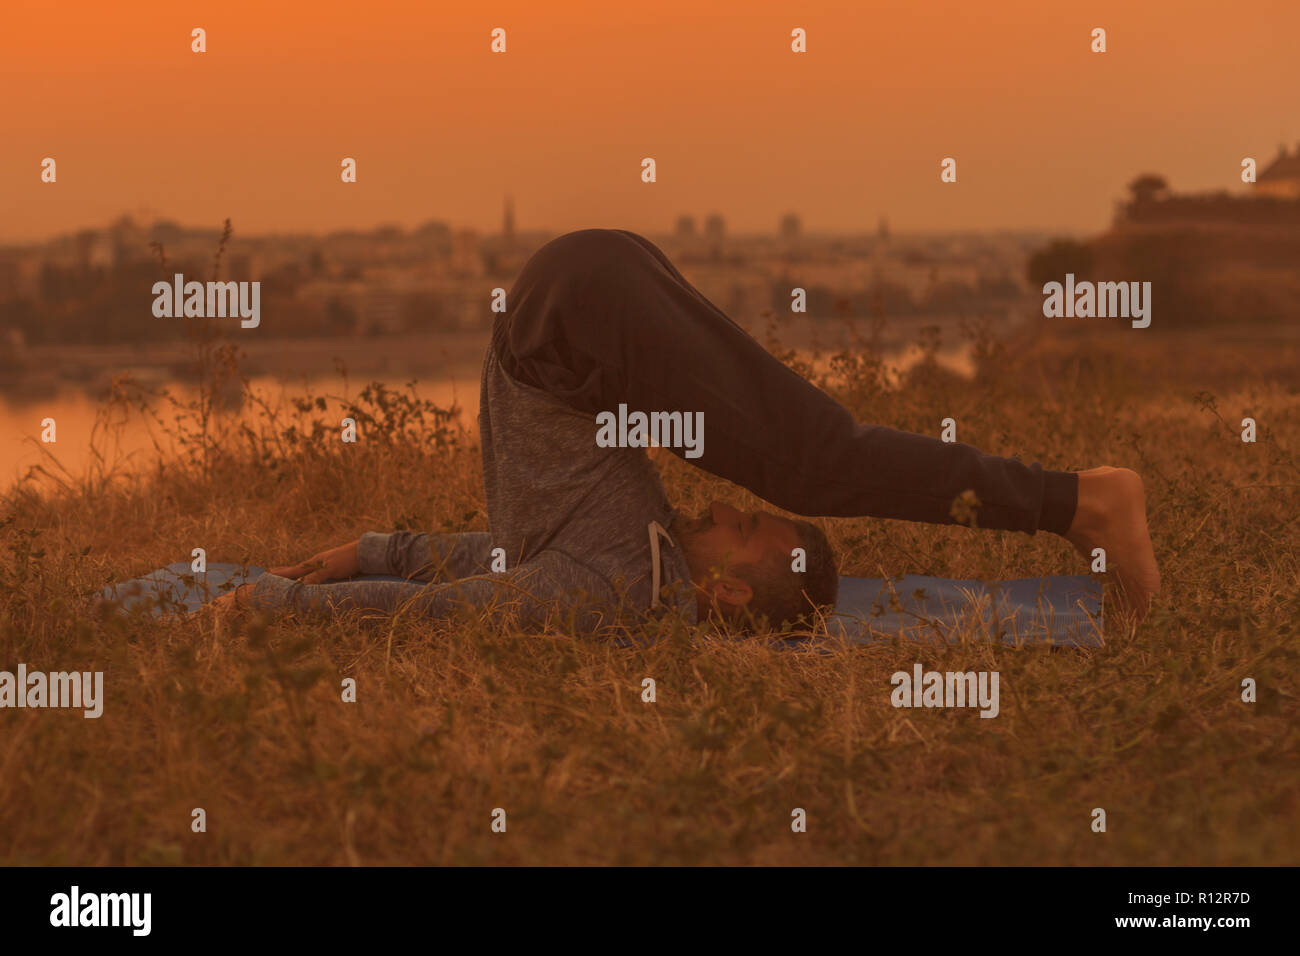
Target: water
(134, 440)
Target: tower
(508, 227)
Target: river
(75, 400)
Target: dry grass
(453, 720)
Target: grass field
(453, 720)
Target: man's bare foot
(1112, 514)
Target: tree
(1148, 187)
(340, 318)
(1059, 257)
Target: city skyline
(788, 226)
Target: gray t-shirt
(579, 525)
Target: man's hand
(336, 564)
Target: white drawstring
(656, 529)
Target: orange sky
(1045, 132)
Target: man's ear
(731, 590)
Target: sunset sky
(1046, 133)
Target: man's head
(743, 563)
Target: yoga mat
(1063, 611)
(178, 588)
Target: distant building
(242, 267)
(466, 257)
(715, 227)
(10, 277)
(685, 227)
(1274, 200)
(1281, 178)
(86, 241)
(790, 226)
(380, 308)
(508, 226)
(129, 241)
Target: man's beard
(697, 525)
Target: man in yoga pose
(599, 319)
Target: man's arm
(425, 557)
(528, 594)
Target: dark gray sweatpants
(600, 317)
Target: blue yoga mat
(1064, 611)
